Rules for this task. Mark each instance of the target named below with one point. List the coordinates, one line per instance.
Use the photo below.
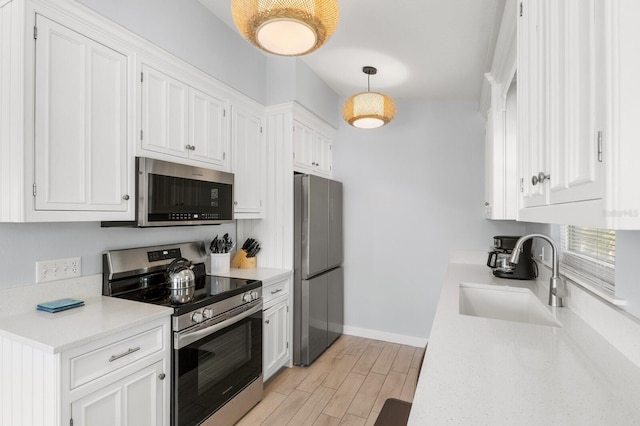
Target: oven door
(212, 364)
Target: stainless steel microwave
(171, 194)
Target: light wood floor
(347, 385)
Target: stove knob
(246, 297)
(197, 317)
(207, 313)
(254, 295)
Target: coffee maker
(525, 269)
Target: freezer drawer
(314, 337)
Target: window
(589, 257)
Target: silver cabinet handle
(125, 197)
(161, 376)
(128, 352)
(276, 291)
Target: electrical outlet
(58, 269)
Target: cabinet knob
(486, 203)
(161, 376)
(190, 147)
(125, 197)
(235, 203)
(540, 178)
(267, 321)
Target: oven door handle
(184, 339)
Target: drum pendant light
(369, 110)
(286, 27)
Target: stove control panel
(214, 310)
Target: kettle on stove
(180, 280)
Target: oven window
(209, 372)
(221, 357)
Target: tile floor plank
(339, 371)
(318, 372)
(391, 388)
(292, 380)
(384, 361)
(409, 388)
(339, 403)
(367, 359)
(351, 420)
(367, 395)
(325, 420)
(417, 358)
(287, 409)
(313, 407)
(262, 410)
(403, 359)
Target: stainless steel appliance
(217, 332)
(318, 276)
(170, 194)
(499, 259)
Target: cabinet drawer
(275, 290)
(94, 364)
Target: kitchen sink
(504, 303)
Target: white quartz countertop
(99, 317)
(480, 371)
(262, 274)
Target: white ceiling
(434, 49)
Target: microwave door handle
(183, 339)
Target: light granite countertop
(99, 317)
(480, 371)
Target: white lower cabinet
(122, 379)
(276, 337)
(134, 400)
(276, 326)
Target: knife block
(240, 260)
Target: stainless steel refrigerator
(318, 289)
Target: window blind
(590, 254)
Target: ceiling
(427, 49)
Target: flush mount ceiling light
(368, 110)
(286, 27)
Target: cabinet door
(248, 161)
(532, 95)
(164, 113)
(80, 122)
(322, 158)
(276, 338)
(134, 400)
(303, 140)
(207, 128)
(576, 111)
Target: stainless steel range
(217, 329)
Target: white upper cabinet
(164, 113)
(66, 101)
(578, 112)
(80, 122)
(312, 144)
(249, 157)
(562, 44)
(181, 119)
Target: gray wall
(414, 191)
(22, 244)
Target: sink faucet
(556, 286)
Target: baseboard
(418, 342)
